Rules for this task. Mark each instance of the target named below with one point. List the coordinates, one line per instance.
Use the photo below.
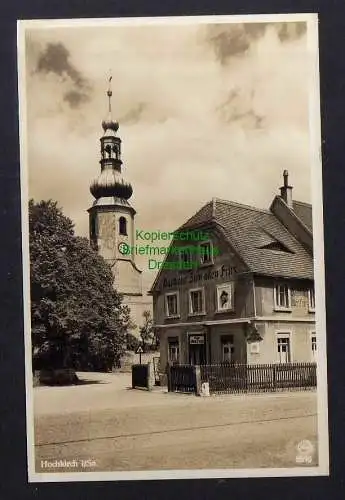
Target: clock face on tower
(124, 248)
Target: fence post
(197, 374)
(133, 377)
(274, 378)
(150, 376)
(168, 377)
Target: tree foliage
(147, 333)
(77, 317)
(132, 342)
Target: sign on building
(196, 339)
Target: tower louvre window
(93, 227)
(123, 226)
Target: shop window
(171, 304)
(206, 253)
(311, 299)
(173, 350)
(196, 301)
(282, 297)
(123, 226)
(284, 348)
(224, 297)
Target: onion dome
(110, 124)
(111, 184)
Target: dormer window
(206, 253)
(185, 256)
(123, 226)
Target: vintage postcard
(172, 226)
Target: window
(282, 297)
(93, 226)
(116, 151)
(227, 348)
(311, 299)
(123, 226)
(185, 255)
(224, 297)
(206, 254)
(173, 350)
(196, 301)
(284, 348)
(313, 345)
(171, 304)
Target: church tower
(112, 218)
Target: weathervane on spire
(109, 91)
(109, 124)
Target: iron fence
(181, 378)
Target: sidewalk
(102, 391)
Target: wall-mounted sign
(224, 296)
(196, 339)
(254, 348)
(222, 272)
(299, 301)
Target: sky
(205, 110)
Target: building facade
(112, 222)
(248, 295)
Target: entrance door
(197, 350)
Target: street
(115, 428)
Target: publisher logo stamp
(305, 451)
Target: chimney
(286, 190)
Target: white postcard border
(316, 179)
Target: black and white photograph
(173, 253)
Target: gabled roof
(248, 229)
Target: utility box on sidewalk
(143, 376)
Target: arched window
(93, 226)
(123, 226)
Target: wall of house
(264, 298)
(300, 341)
(164, 335)
(227, 267)
(240, 345)
(299, 321)
(213, 338)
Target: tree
(78, 320)
(147, 333)
(132, 342)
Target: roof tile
(247, 229)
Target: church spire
(110, 183)
(109, 125)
